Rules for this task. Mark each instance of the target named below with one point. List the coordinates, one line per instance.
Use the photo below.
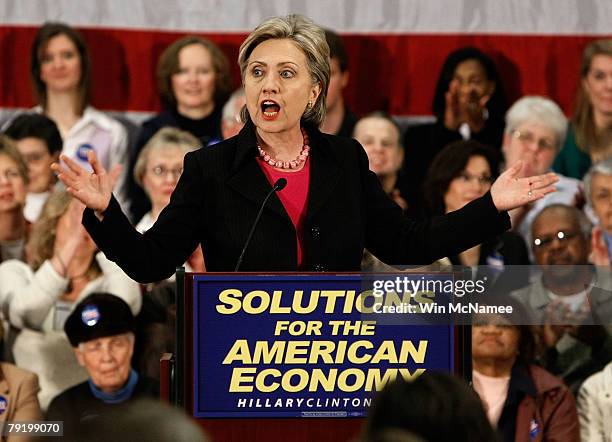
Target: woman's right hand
(92, 189)
(468, 108)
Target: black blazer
(222, 187)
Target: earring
(310, 105)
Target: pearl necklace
(294, 164)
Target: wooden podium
(178, 386)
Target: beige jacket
(19, 388)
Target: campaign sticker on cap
(82, 150)
(90, 315)
(3, 404)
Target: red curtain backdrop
(394, 72)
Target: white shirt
(34, 204)
(31, 302)
(107, 137)
(595, 407)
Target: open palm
(94, 189)
(510, 191)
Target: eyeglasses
(545, 241)
(526, 137)
(10, 174)
(161, 171)
(480, 179)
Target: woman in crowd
(598, 192)
(101, 331)
(13, 184)
(157, 170)
(462, 172)
(589, 138)
(468, 103)
(523, 401)
(535, 131)
(18, 396)
(380, 137)
(193, 81)
(327, 206)
(40, 144)
(594, 407)
(61, 77)
(37, 298)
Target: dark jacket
(207, 130)
(539, 407)
(77, 406)
(221, 189)
(422, 143)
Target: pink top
(294, 197)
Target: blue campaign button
(90, 315)
(82, 150)
(3, 404)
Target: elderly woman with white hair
(535, 130)
(598, 193)
(159, 167)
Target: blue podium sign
(300, 345)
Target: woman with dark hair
(523, 401)
(61, 76)
(40, 144)
(469, 103)
(193, 81)
(435, 406)
(589, 136)
(462, 172)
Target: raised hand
(599, 249)
(92, 189)
(452, 110)
(509, 191)
(464, 108)
(474, 111)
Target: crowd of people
(80, 336)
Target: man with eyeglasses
(535, 131)
(571, 301)
(101, 330)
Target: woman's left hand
(509, 191)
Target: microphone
(277, 187)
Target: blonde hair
(41, 243)
(310, 39)
(588, 138)
(165, 138)
(8, 148)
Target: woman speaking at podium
(319, 204)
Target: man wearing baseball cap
(101, 330)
